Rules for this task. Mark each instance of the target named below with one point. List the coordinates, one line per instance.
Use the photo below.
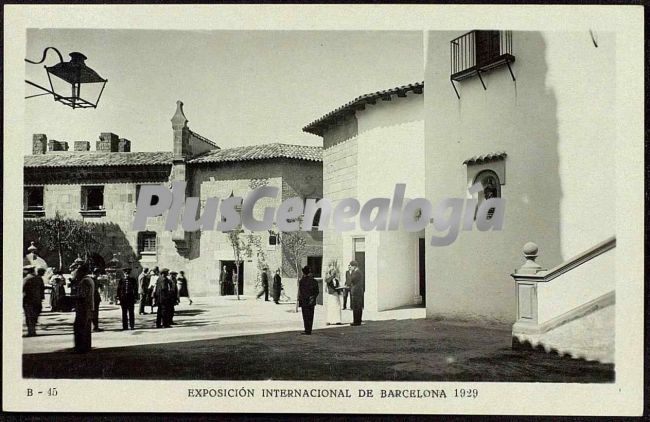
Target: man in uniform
(84, 307)
(127, 291)
(143, 289)
(357, 289)
(33, 295)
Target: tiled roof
(261, 152)
(317, 126)
(478, 159)
(92, 159)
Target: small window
(92, 198)
(273, 240)
(147, 243)
(491, 188)
(34, 198)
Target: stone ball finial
(530, 250)
(32, 248)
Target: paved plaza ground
(225, 339)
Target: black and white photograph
(398, 220)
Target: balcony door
(487, 47)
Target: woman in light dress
(333, 304)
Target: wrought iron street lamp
(74, 74)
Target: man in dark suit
(164, 294)
(357, 289)
(127, 292)
(307, 295)
(33, 295)
(346, 291)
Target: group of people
(354, 286)
(164, 289)
(161, 288)
(276, 288)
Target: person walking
(307, 295)
(97, 299)
(183, 289)
(265, 285)
(333, 304)
(84, 305)
(33, 295)
(346, 291)
(127, 292)
(357, 290)
(143, 290)
(277, 286)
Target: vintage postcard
(323, 209)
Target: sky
(238, 87)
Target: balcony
(477, 52)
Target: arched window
(491, 188)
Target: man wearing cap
(164, 294)
(127, 291)
(357, 289)
(84, 307)
(143, 289)
(33, 295)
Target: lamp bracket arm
(45, 54)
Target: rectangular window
(92, 201)
(33, 203)
(154, 198)
(34, 198)
(92, 198)
(147, 243)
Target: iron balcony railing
(479, 51)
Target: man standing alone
(127, 292)
(357, 289)
(307, 295)
(33, 295)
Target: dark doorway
(316, 265)
(487, 47)
(229, 288)
(423, 271)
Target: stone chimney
(39, 143)
(124, 145)
(81, 146)
(53, 145)
(108, 142)
(181, 132)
